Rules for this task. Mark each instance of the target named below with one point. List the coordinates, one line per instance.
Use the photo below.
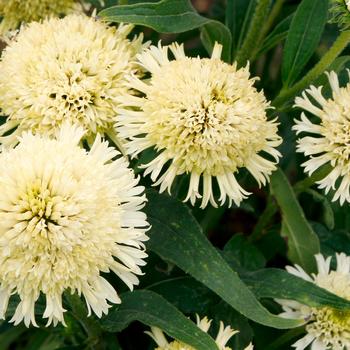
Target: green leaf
(223, 312)
(338, 66)
(153, 310)
(277, 35)
(276, 283)
(177, 237)
(172, 16)
(186, 294)
(303, 37)
(303, 243)
(238, 16)
(335, 241)
(9, 333)
(240, 253)
(325, 206)
(216, 31)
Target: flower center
(200, 113)
(331, 326)
(41, 210)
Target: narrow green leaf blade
(277, 35)
(303, 243)
(177, 237)
(237, 19)
(303, 37)
(152, 309)
(166, 16)
(172, 16)
(185, 293)
(216, 31)
(264, 284)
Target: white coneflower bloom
(330, 140)
(66, 215)
(71, 69)
(204, 118)
(224, 335)
(15, 12)
(326, 328)
(348, 4)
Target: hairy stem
(264, 219)
(250, 42)
(318, 175)
(272, 208)
(336, 49)
(276, 9)
(90, 325)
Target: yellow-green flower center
(206, 115)
(330, 325)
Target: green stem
(264, 219)
(276, 9)
(336, 49)
(272, 208)
(318, 175)
(90, 325)
(285, 338)
(250, 43)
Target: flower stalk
(336, 49)
(250, 43)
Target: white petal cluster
(328, 139)
(15, 12)
(66, 215)
(71, 69)
(204, 118)
(326, 328)
(224, 335)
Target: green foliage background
(225, 263)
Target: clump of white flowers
(204, 118)
(15, 12)
(329, 142)
(326, 328)
(66, 215)
(224, 335)
(71, 69)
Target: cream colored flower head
(204, 118)
(326, 328)
(66, 215)
(15, 12)
(224, 335)
(71, 69)
(327, 139)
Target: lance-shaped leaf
(302, 241)
(153, 310)
(276, 283)
(303, 37)
(177, 237)
(172, 16)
